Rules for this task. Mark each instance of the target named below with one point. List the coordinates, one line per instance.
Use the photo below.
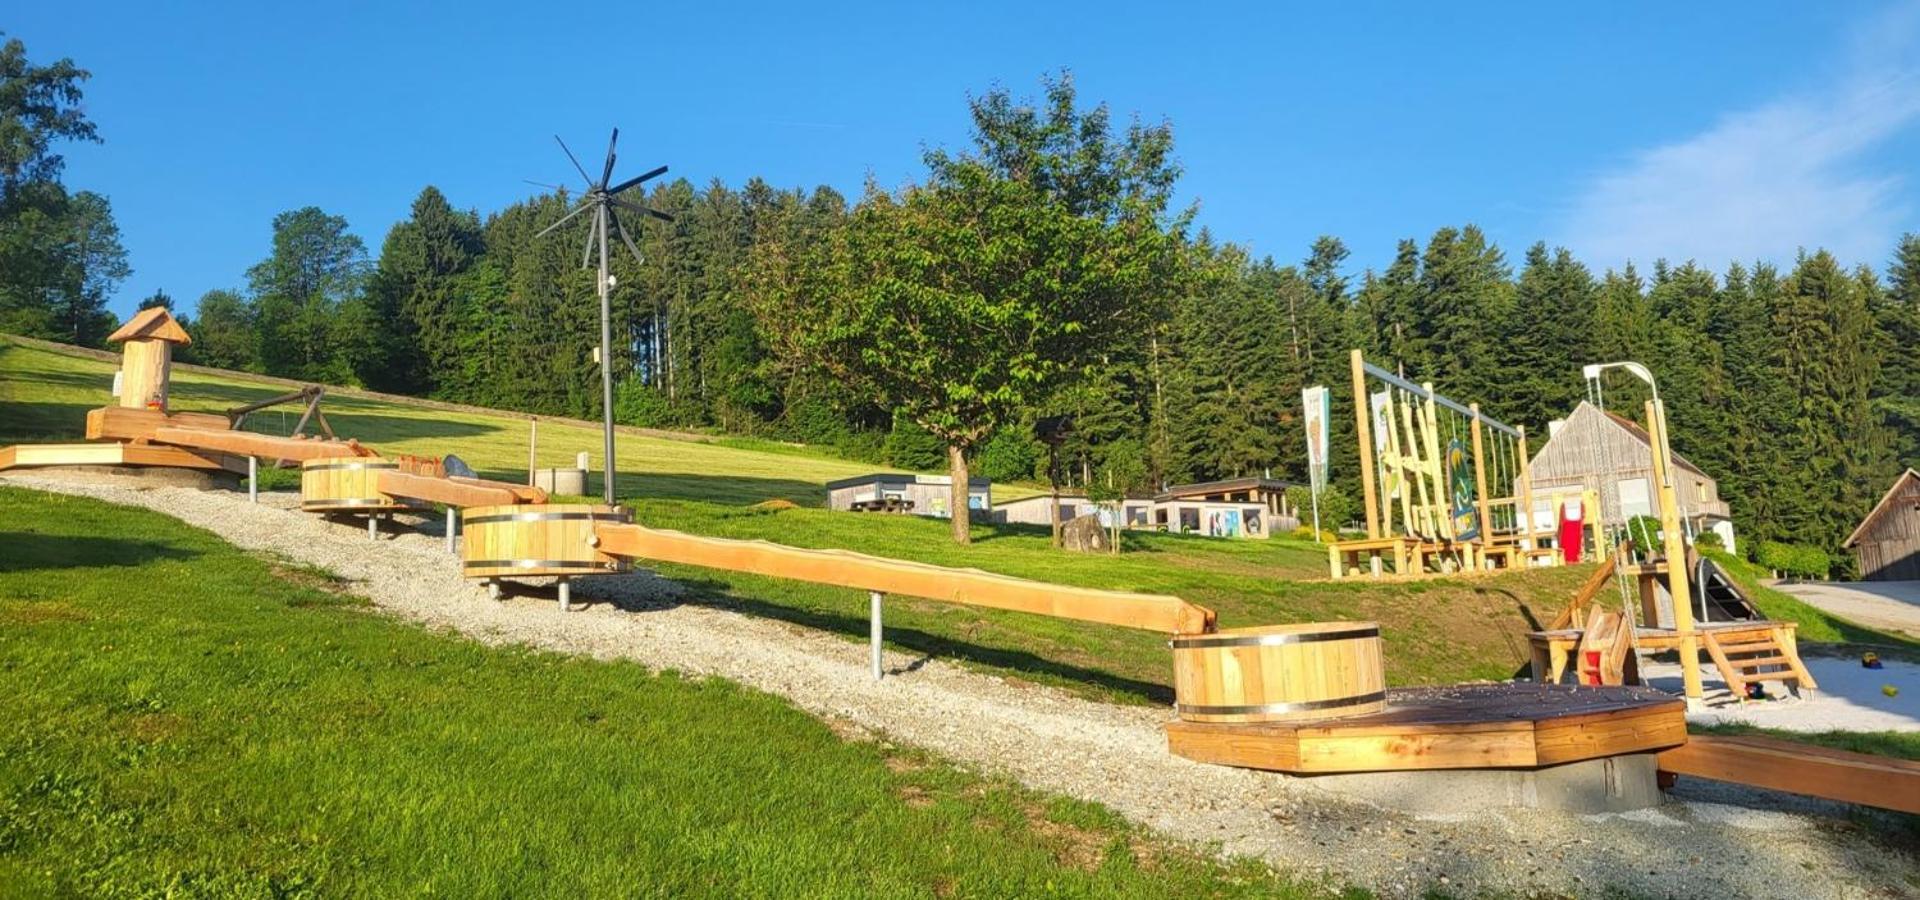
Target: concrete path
(1886, 605)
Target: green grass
(1896, 744)
(185, 719)
(44, 396)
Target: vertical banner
(1318, 403)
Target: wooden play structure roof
(153, 323)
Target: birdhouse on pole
(146, 362)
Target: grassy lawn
(185, 719)
(44, 396)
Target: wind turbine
(602, 198)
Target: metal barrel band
(1271, 640)
(350, 465)
(350, 502)
(1263, 709)
(533, 564)
(549, 517)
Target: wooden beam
(120, 423)
(1363, 426)
(908, 579)
(1480, 479)
(461, 492)
(1797, 768)
(246, 443)
(113, 454)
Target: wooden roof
(152, 324)
(1885, 505)
(1626, 426)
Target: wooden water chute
(559, 540)
(1280, 673)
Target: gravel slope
(1708, 845)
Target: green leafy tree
(299, 292)
(225, 335)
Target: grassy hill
(1439, 630)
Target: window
(1634, 497)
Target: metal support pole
(373, 526)
(566, 593)
(453, 520)
(253, 479)
(873, 624)
(493, 588)
(606, 361)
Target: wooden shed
(1610, 455)
(1887, 543)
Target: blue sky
(1624, 131)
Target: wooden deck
(1488, 726)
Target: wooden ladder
(1750, 660)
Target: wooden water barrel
(1279, 673)
(536, 539)
(346, 484)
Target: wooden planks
(114, 454)
(246, 443)
(549, 539)
(119, 423)
(1467, 727)
(1796, 768)
(461, 492)
(854, 570)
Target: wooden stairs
(1751, 658)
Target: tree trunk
(957, 500)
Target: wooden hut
(1610, 454)
(1887, 543)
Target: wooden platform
(1490, 726)
(115, 454)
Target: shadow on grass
(719, 595)
(30, 551)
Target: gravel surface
(1718, 841)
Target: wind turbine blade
(551, 187)
(563, 220)
(626, 238)
(643, 210)
(607, 175)
(576, 163)
(633, 181)
(586, 253)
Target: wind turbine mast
(602, 197)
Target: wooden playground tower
(1300, 698)
(1425, 511)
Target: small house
(1887, 542)
(921, 495)
(1236, 507)
(1613, 456)
(1136, 512)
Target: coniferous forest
(1043, 270)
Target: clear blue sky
(1622, 130)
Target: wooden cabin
(1611, 455)
(1887, 542)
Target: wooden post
(1363, 426)
(146, 360)
(1436, 466)
(1480, 480)
(1676, 549)
(1526, 492)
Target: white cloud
(1762, 183)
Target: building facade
(1612, 456)
(1887, 542)
(920, 495)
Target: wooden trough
(1280, 673)
(346, 484)
(538, 540)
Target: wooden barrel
(346, 484)
(536, 539)
(1279, 673)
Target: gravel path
(1710, 844)
(1887, 605)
